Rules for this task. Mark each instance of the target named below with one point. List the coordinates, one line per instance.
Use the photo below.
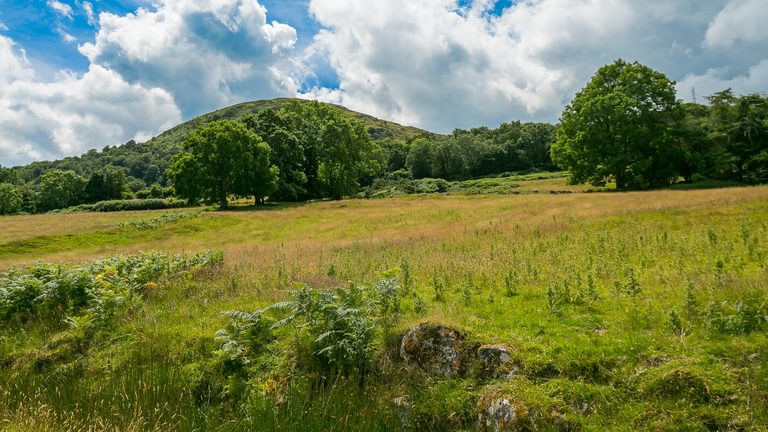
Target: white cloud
(436, 65)
(60, 8)
(68, 38)
(429, 63)
(207, 53)
(3, 27)
(717, 79)
(740, 20)
(89, 13)
(74, 113)
(13, 65)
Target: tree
(338, 152)
(11, 199)
(260, 176)
(60, 189)
(287, 152)
(421, 158)
(9, 175)
(105, 184)
(153, 174)
(346, 147)
(619, 127)
(219, 159)
(738, 130)
(535, 142)
(449, 161)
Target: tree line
(627, 127)
(301, 151)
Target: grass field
(626, 311)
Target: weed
(438, 287)
(510, 283)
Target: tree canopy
(620, 127)
(223, 158)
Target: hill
(138, 158)
(377, 128)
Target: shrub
(126, 205)
(334, 330)
(243, 337)
(739, 316)
(100, 287)
(339, 327)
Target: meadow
(624, 311)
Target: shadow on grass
(265, 207)
(706, 184)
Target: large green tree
(347, 153)
(108, 183)
(287, 152)
(220, 159)
(421, 158)
(11, 199)
(60, 189)
(620, 127)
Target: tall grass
(605, 350)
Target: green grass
(608, 360)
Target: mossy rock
(522, 406)
(495, 361)
(437, 349)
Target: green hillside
(137, 158)
(377, 128)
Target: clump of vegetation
(98, 288)
(125, 205)
(152, 223)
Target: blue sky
(35, 26)
(77, 74)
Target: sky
(77, 75)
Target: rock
(498, 413)
(504, 409)
(495, 361)
(436, 349)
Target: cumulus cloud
(75, 112)
(60, 8)
(740, 20)
(439, 65)
(717, 79)
(206, 53)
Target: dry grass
(327, 225)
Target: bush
(98, 288)
(334, 330)
(242, 339)
(126, 205)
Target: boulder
(496, 362)
(499, 413)
(436, 349)
(508, 409)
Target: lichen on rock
(436, 349)
(495, 361)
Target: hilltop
(137, 158)
(377, 128)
